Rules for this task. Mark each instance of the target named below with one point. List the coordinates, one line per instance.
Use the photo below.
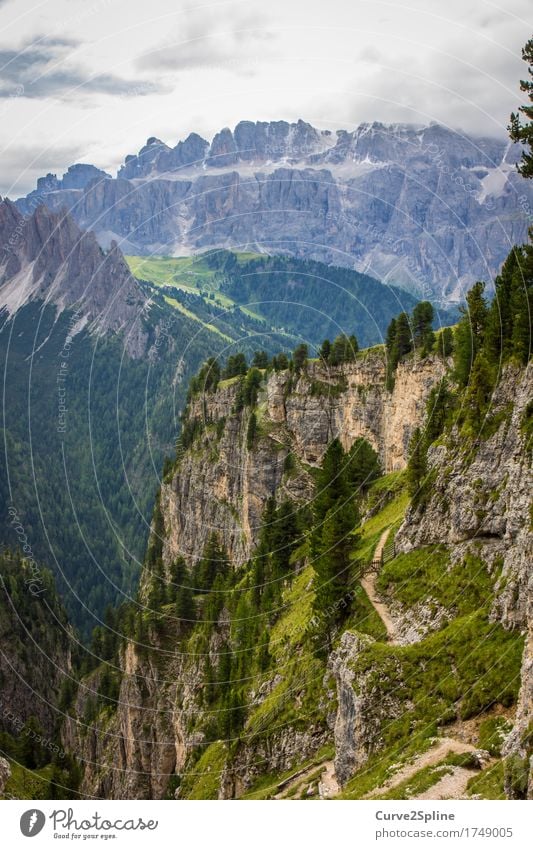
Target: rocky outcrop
(481, 494)
(426, 208)
(222, 486)
(481, 500)
(360, 716)
(47, 257)
(5, 773)
(162, 726)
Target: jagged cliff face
(223, 487)
(415, 206)
(220, 484)
(482, 498)
(367, 698)
(47, 257)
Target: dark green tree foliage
(398, 344)
(422, 326)
(252, 382)
(403, 342)
(362, 466)
(523, 131)
(180, 592)
(438, 407)
(280, 535)
(416, 466)
(332, 567)
(236, 364)
(331, 482)
(214, 563)
(154, 551)
(207, 378)
(470, 332)
(300, 356)
(32, 754)
(109, 687)
(335, 517)
(280, 362)
(343, 350)
(325, 350)
(283, 538)
(508, 326)
(191, 428)
(445, 347)
(260, 359)
(251, 431)
(479, 391)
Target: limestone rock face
(359, 716)
(481, 499)
(222, 486)
(426, 208)
(5, 772)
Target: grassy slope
(186, 274)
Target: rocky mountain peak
(47, 257)
(427, 208)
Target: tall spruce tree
(470, 333)
(523, 131)
(422, 323)
(416, 466)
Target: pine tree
(331, 483)
(389, 348)
(422, 322)
(214, 562)
(499, 324)
(252, 383)
(363, 465)
(402, 340)
(521, 306)
(416, 466)
(300, 356)
(251, 431)
(470, 333)
(283, 538)
(523, 132)
(260, 359)
(479, 392)
(185, 606)
(332, 567)
(325, 351)
(445, 347)
(343, 350)
(437, 410)
(281, 362)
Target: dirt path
(443, 747)
(452, 786)
(297, 785)
(368, 582)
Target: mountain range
(426, 208)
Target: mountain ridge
(426, 208)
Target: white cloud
(120, 71)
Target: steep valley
(266, 695)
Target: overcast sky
(90, 80)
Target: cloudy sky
(90, 80)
